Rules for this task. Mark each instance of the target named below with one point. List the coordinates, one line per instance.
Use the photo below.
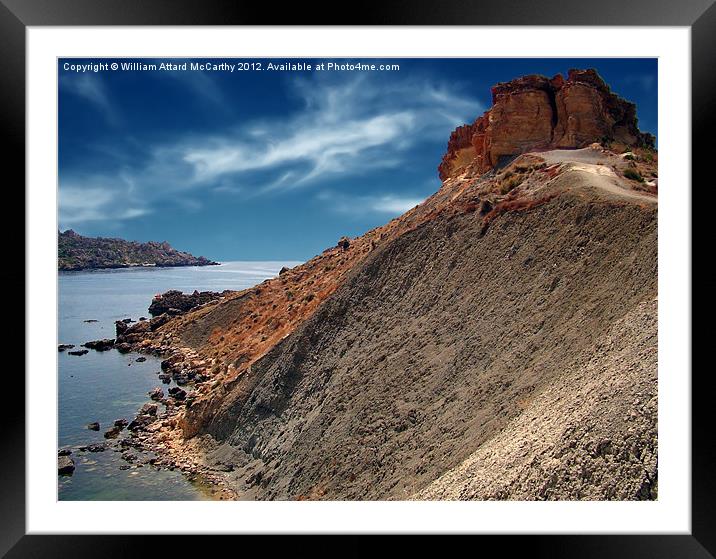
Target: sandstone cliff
(535, 113)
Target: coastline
(123, 392)
(77, 252)
(162, 434)
(137, 266)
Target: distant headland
(75, 252)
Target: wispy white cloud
(357, 205)
(79, 205)
(91, 88)
(326, 149)
(343, 130)
(394, 204)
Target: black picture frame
(699, 15)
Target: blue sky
(271, 165)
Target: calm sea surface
(104, 386)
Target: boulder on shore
(126, 332)
(181, 379)
(123, 347)
(148, 409)
(94, 426)
(113, 433)
(65, 465)
(177, 393)
(139, 422)
(158, 321)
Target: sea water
(105, 386)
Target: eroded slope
(590, 434)
(434, 344)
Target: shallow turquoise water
(104, 386)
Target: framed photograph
(405, 274)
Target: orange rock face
(534, 113)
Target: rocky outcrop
(100, 345)
(175, 302)
(129, 333)
(535, 113)
(76, 252)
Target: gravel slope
(443, 344)
(591, 434)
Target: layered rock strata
(535, 113)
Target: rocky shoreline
(154, 437)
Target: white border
(670, 514)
